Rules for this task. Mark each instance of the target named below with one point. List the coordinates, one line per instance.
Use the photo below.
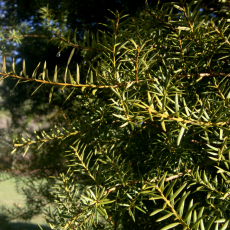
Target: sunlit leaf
(170, 226)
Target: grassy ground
(9, 197)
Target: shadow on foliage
(6, 225)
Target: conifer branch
(16, 145)
(179, 119)
(31, 36)
(77, 46)
(148, 181)
(159, 19)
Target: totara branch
(151, 181)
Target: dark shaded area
(86, 14)
(23, 226)
(5, 225)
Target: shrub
(148, 145)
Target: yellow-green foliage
(149, 146)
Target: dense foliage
(147, 144)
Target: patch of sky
(2, 15)
(52, 22)
(18, 59)
(213, 15)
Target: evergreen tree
(146, 146)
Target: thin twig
(77, 46)
(159, 19)
(31, 35)
(182, 55)
(189, 23)
(151, 181)
(107, 86)
(65, 118)
(179, 119)
(204, 75)
(50, 139)
(219, 33)
(59, 83)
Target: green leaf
(24, 67)
(164, 217)
(221, 134)
(178, 191)
(170, 226)
(91, 77)
(180, 135)
(4, 65)
(205, 179)
(183, 28)
(180, 207)
(209, 224)
(116, 93)
(77, 74)
(220, 220)
(72, 82)
(197, 222)
(195, 218)
(131, 214)
(213, 148)
(161, 182)
(155, 198)
(51, 93)
(94, 91)
(35, 71)
(214, 159)
(176, 103)
(71, 55)
(39, 226)
(13, 67)
(102, 211)
(55, 74)
(178, 7)
(125, 124)
(31, 86)
(140, 209)
(37, 89)
(27, 148)
(15, 86)
(163, 125)
(44, 71)
(106, 201)
(225, 225)
(156, 211)
(170, 187)
(47, 76)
